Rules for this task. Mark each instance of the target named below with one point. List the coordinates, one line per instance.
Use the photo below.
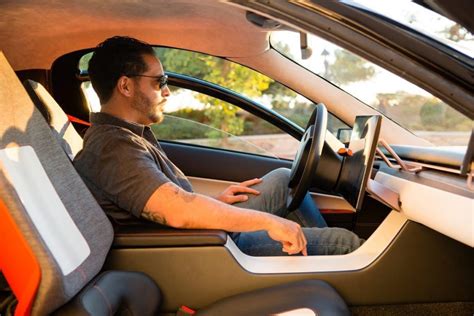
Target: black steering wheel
(307, 158)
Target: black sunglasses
(161, 80)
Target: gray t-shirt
(122, 163)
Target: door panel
(217, 164)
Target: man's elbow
(178, 221)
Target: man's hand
(233, 194)
(290, 235)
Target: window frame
(239, 100)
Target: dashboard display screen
(356, 169)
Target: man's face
(149, 99)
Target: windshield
(425, 21)
(405, 103)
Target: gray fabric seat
(23, 127)
(80, 291)
(63, 130)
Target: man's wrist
(270, 222)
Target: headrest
(64, 131)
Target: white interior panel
(43, 205)
(448, 213)
(358, 259)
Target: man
(130, 175)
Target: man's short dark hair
(113, 58)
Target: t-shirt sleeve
(126, 172)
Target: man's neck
(121, 111)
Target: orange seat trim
(18, 263)
(74, 119)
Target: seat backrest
(47, 201)
(62, 128)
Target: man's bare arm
(173, 206)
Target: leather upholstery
(115, 293)
(309, 297)
(162, 236)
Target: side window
(195, 118)
(399, 100)
(245, 81)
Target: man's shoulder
(105, 139)
(107, 135)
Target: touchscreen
(356, 169)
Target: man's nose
(165, 91)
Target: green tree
(348, 68)
(432, 114)
(221, 115)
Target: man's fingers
(251, 182)
(304, 243)
(293, 249)
(241, 189)
(237, 198)
(297, 247)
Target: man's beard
(145, 106)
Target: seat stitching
(105, 299)
(84, 277)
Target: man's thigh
(320, 241)
(273, 193)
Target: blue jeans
(322, 240)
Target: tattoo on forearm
(154, 217)
(187, 197)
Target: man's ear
(125, 86)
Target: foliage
(84, 61)
(417, 112)
(220, 115)
(432, 113)
(179, 125)
(348, 68)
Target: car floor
(450, 308)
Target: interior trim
(357, 260)
(154, 235)
(209, 187)
(448, 213)
(441, 267)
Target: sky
(384, 81)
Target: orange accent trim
(187, 310)
(77, 120)
(328, 211)
(18, 263)
(345, 152)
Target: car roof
(35, 33)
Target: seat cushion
(308, 297)
(116, 293)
